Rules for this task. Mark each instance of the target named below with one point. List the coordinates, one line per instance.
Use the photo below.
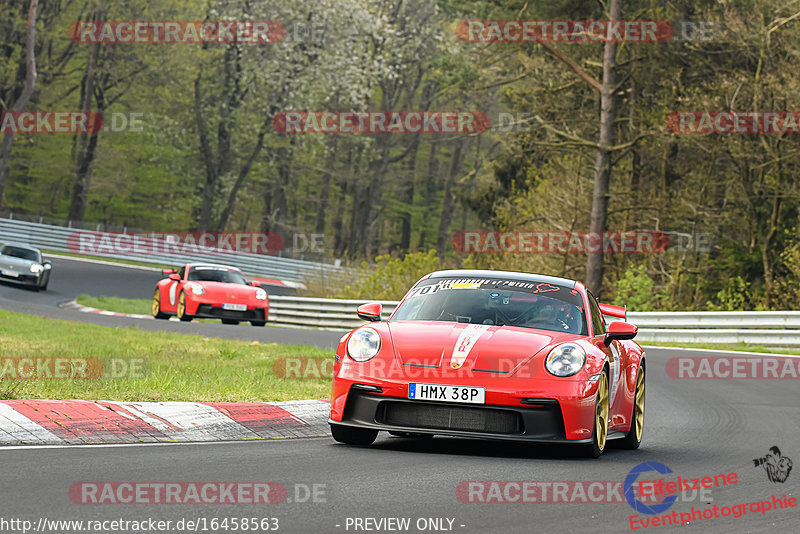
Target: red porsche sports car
(212, 292)
(492, 354)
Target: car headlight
(565, 360)
(261, 294)
(36, 268)
(363, 344)
(197, 289)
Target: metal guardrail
(331, 314)
(55, 238)
(774, 328)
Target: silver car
(24, 265)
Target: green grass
(177, 367)
(738, 347)
(132, 306)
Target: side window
(598, 323)
(182, 271)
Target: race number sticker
(469, 336)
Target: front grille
(436, 416)
(207, 310)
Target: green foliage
(392, 277)
(735, 296)
(636, 290)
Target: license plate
(12, 274)
(438, 392)
(234, 307)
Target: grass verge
(736, 347)
(118, 305)
(175, 367)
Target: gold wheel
(182, 305)
(601, 412)
(156, 303)
(639, 405)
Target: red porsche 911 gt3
(492, 354)
(212, 292)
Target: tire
(230, 321)
(157, 306)
(258, 323)
(633, 438)
(182, 315)
(353, 436)
(600, 426)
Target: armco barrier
(55, 238)
(779, 328)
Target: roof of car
(506, 275)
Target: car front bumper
(209, 311)
(541, 421)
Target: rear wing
(611, 310)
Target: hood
(17, 264)
(226, 291)
(469, 347)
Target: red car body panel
(508, 361)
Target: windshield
(495, 302)
(17, 252)
(216, 274)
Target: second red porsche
(210, 291)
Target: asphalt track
(71, 278)
(695, 427)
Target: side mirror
(168, 271)
(620, 331)
(255, 283)
(370, 312)
(175, 276)
(47, 265)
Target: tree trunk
(602, 168)
(86, 142)
(408, 199)
(208, 160)
(243, 172)
(325, 192)
(447, 205)
(430, 191)
(24, 97)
